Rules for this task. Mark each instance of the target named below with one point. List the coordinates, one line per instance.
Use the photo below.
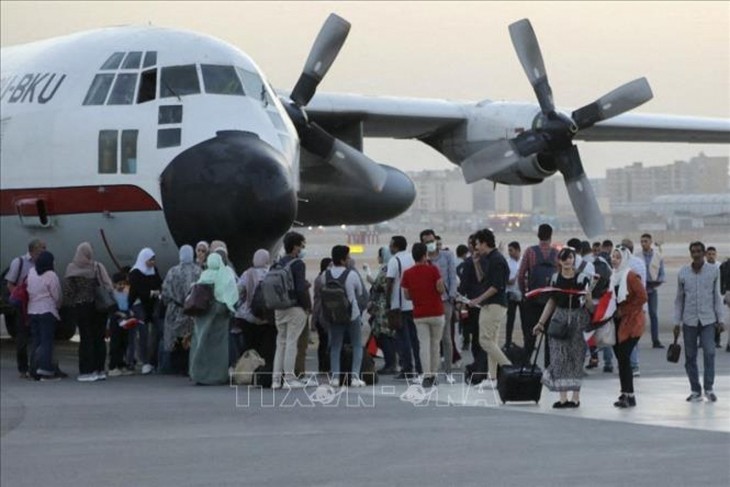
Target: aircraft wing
(390, 117)
(637, 127)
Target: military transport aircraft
(145, 136)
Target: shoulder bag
(200, 299)
(104, 301)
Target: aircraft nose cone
(234, 187)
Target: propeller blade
(326, 46)
(500, 155)
(620, 100)
(581, 193)
(528, 52)
(494, 158)
(349, 161)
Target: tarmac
(160, 430)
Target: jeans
(512, 308)
(387, 345)
(471, 331)
(625, 374)
(22, 340)
(323, 349)
(653, 318)
(430, 332)
(337, 338)
(138, 338)
(92, 328)
(707, 335)
(43, 329)
(608, 356)
(634, 357)
(406, 340)
(289, 325)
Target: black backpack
(258, 304)
(604, 277)
(542, 271)
(335, 308)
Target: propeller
(553, 132)
(314, 138)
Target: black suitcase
(515, 354)
(521, 382)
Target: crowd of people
(416, 306)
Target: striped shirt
(698, 298)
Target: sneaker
(450, 379)
(625, 401)
(293, 384)
(657, 345)
(147, 369)
(87, 377)
(101, 375)
(335, 382)
(61, 374)
(115, 372)
(608, 369)
(48, 378)
(635, 372)
(276, 383)
(427, 382)
(695, 397)
(357, 382)
(710, 396)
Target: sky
(458, 51)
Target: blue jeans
(635, 357)
(707, 335)
(43, 329)
(653, 318)
(607, 356)
(406, 341)
(337, 338)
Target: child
(119, 333)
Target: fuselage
(142, 137)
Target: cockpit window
(114, 61)
(221, 80)
(150, 59)
(132, 60)
(254, 86)
(99, 89)
(123, 91)
(179, 81)
(147, 86)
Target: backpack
(258, 304)
(542, 272)
(277, 287)
(335, 308)
(5, 304)
(603, 270)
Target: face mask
(431, 246)
(302, 253)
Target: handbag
(394, 315)
(605, 335)
(199, 300)
(674, 351)
(104, 301)
(246, 367)
(561, 330)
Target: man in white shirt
(514, 295)
(406, 339)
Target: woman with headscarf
(44, 300)
(201, 253)
(178, 326)
(144, 288)
(323, 349)
(629, 320)
(565, 372)
(258, 332)
(379, 314)
(209, 346)
(82, 276)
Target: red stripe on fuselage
(78, 199)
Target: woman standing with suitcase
(568, 319)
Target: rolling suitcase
(515, 354)
(521, 382)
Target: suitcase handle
(537, 353)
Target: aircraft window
(129, 151)
(169, 114)
(147, 86)
(150, 59)
(168, 138)
(123, 91)
(254, 86)
(42, 212)
(221, 80)
(179, 81)
(132, 60)
(114, 61)
(99, 89)
(107, 151)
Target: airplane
(142, 136)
